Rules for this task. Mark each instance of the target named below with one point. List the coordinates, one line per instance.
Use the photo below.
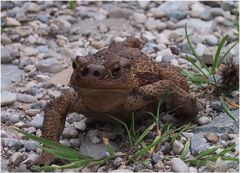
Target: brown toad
(116, 81)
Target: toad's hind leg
(177, 98)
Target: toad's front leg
(54, 120)
(177, 98)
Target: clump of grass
(72, 4)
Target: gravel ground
(39, 41)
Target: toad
(117, 81)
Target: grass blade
(226, 109)
(228, 51)
(185, 150)
(52, 144)
(227, 150)
(197, 79)
(217, 55)
(126, 128)
(108, 146)
(193, 51)
(206, 153)
(145, 133)
(198, 162)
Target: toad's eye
(116, 71)
(74, 65)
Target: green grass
(203, 71)
(72, 4)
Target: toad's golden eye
(116, 71)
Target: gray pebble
(43, 18)
(216, 106)
(156, 158)
(14, 118)
(6, 5)
(11, 143)
(178, 165)
(75, 142)
(118, 162)
(211, 40)
(26, 98)
(139, 17)
(65, 143)
(18, 157)
(93, 135)
(8, 98)
(12, 22)
(32, 112)
(31, 7)
(177, 147)
(74, 117)
(177, 14)
(7, 55)
(206, 15)
(139, 167)
(203, 120)
(22, 168)
(30, 145)
(81, 125)
(167, 58)
(30, 51)
(69, 132)
(31, 130)
(37, 121)
(51, 65)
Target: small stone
(8, 98)
(174, 62)
(7, 55)
(12, 22)
(31, 130)
(177, 147)
(212, 137)
(6, 5)
(166, 148)
(156, 158)
(206, 15)
(197, 9)
(159, 166)
(22, 168)
(75, 117)
(177, 14)
(32, 112)
(139, 17)
(11, 143)
(32, 158)
(81, 125)
(75, 142)
(121, 171)
(29, 51)
(178, 165)
(31, 145)
(25, 98)
(211, 40)
(65, 143)
(69, 132)
(51, 65)
(203, 120)
(167, 58)
(193, 170)
(117, 162)
(200, 49)
(216, 106)
(43, 18)
(37, 121)
(14, 118)
(18, 157)
(143, 4)
(31, 7)
(94, 136)
(103, 28)
(139, 167)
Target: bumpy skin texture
(116, 81)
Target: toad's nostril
(84, 72)
(96, 73)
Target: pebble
(32, 112)
(14, 118)
(75, 117)
(37, 121)
(156, 158)
(117, 162)
(159, 166)
(11, 143)
(51, 65)
(7, 55)
(177, 147)
(167, 58)
(18, 157)
(75, 142)
(177, 14)
(32, 158)
(29, 51)
(212, 137)
(174, 62)
(69, 132)
(94, 136)
(203, 120)
(178, 165)
(8, 98)
(43, 18)
(211, 40)
(31, 7)
(30, 145)
(193, 170)
(81, 125)
(139, 17)
(11, 22)
(197, 9)
(139, 167)
(6, 5)
(22, 168)
(26, 98)
(216, 106)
